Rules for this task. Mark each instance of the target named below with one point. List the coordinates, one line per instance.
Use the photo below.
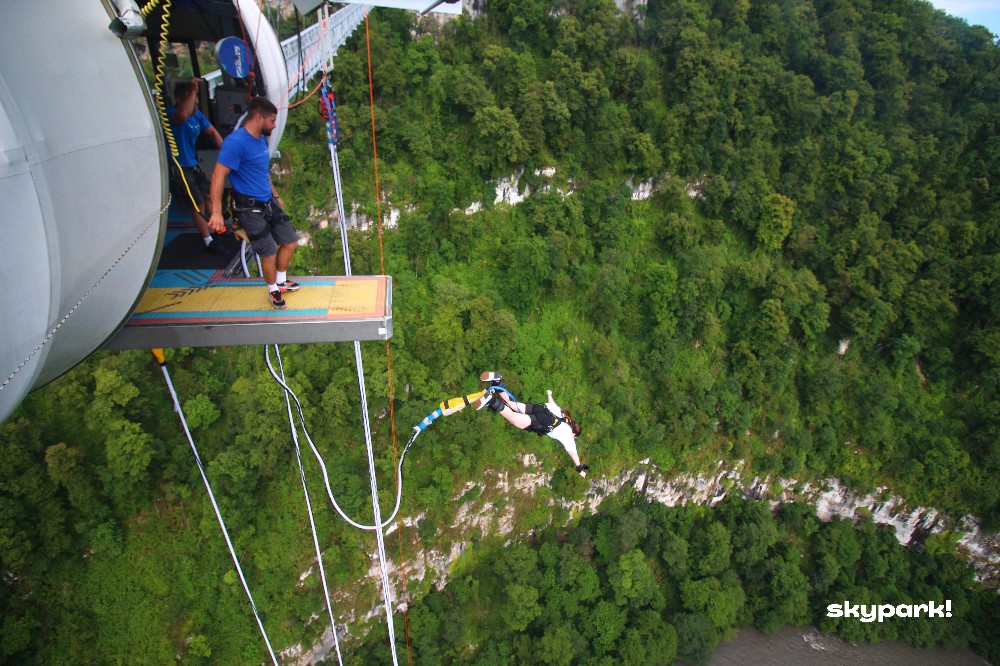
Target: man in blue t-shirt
(188, 123)
(256, 205)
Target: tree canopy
(812, 289)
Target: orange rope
(302, 66)
(306, 98)
(388, 351)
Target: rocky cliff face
(493, 512)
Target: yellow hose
(161, 107)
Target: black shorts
(541, 418)
(197, 182)
(266, 224)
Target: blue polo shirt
(186, 135)
(250, 162)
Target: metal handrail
(340, 26)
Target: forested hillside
(826, 305)
(844, 153)
(641, 583)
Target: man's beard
(265, 132)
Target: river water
(806, 646)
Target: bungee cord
(322, 464)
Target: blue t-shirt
(186, 134)
(250, 162)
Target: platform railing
(339, 27)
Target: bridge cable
(305, 492)
(158, 353)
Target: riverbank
(806, 646)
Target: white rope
(215, 506)
(93, 287)
(305, 491)
(298, 459)
(243, 259)
(335, 163)
(379, 536)
(322, 464)
(319, 456)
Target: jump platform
(190, 306)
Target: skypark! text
(880, 612)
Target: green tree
(711, 549)
(556, 646)
(634, 582)
(775, 221)
(603, 626)
(499, 144)
(522, 606)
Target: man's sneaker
(214, 248)
(288, 285)
(582, 469)
(276, 300)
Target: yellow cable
(186, 186)
(161, 107)
(148, 9)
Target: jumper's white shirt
(562, 433)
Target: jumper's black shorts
(541, 418)
(197, 182)
(266, 224)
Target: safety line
(306, 98)
(388, 352)
(211, 496)
(305, 491)
(359, 364)
(379, 536)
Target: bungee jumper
(548, 419)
